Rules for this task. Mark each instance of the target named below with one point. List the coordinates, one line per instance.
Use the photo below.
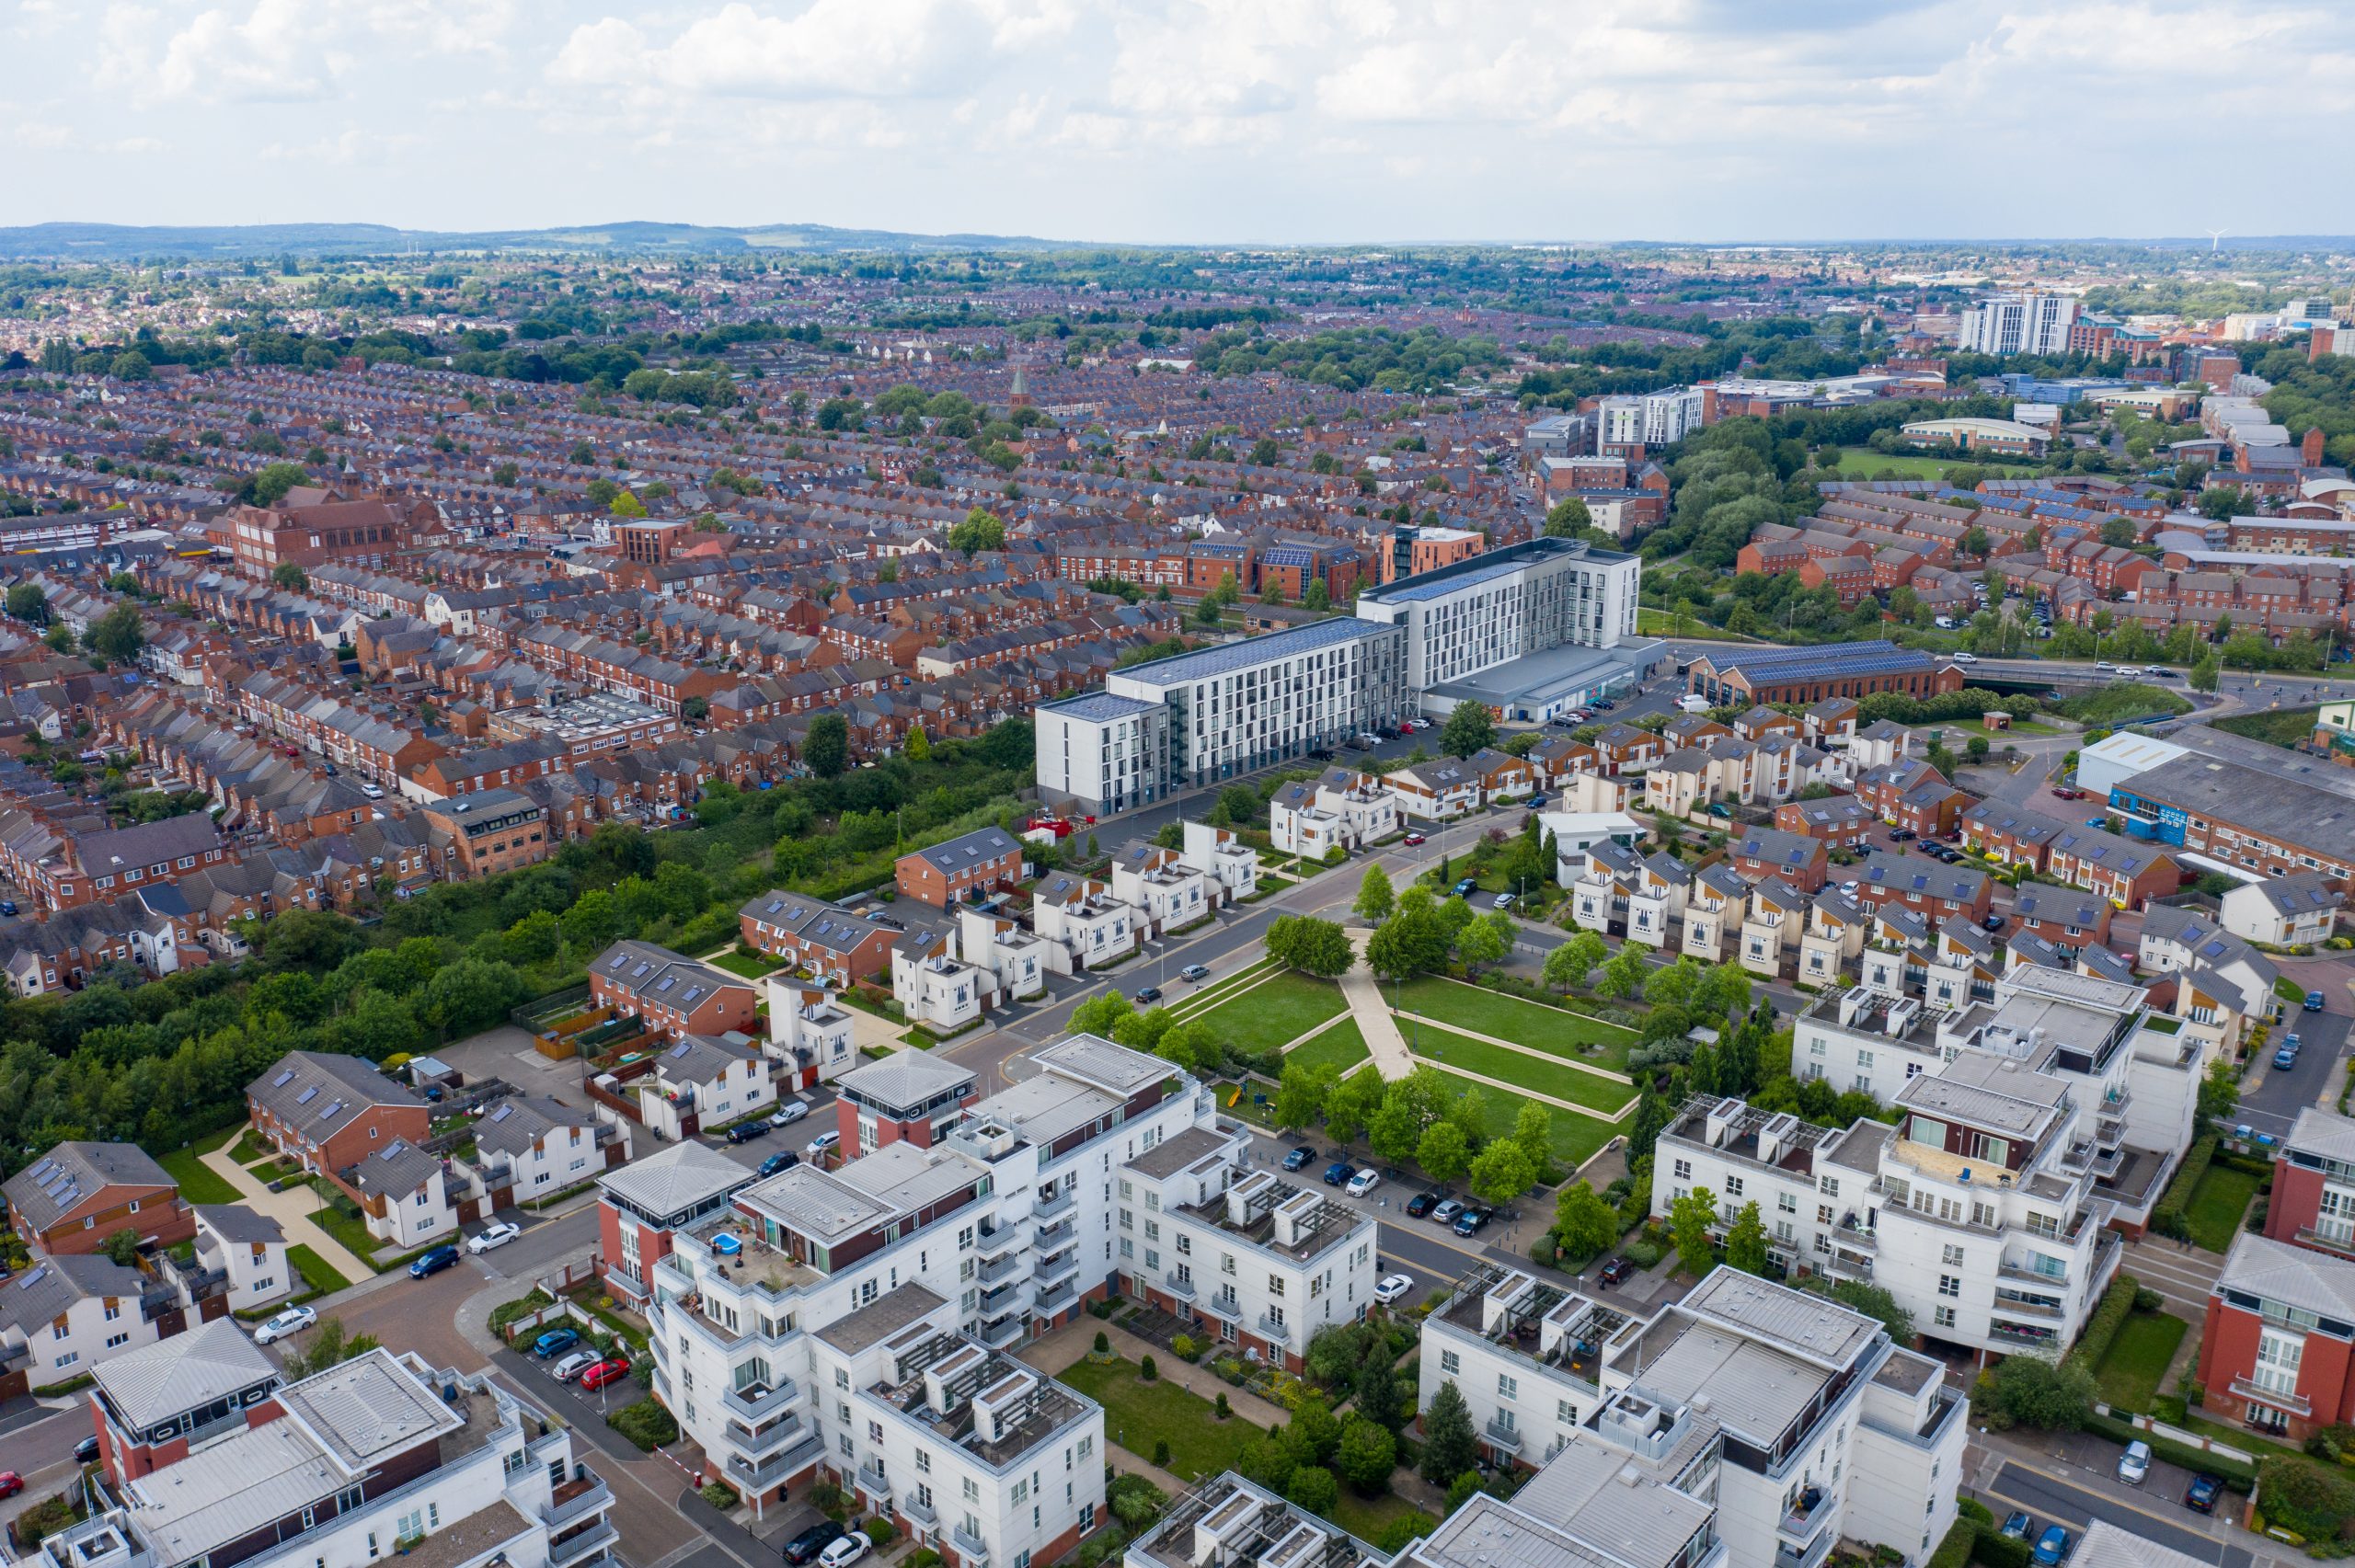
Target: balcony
(598, 1537)
(1005, 1266)
(1506, 1439)
(577, 1500)
(971, 1549)
(2022, 1304)
(1224, 1306)
(778, 1468)
(1055, 1235)
(997, 1243)
(1059, 1265)
(1052, 1299)
(765, 1441)
(2023, 1334)
(1180, 1288)
(1804, 1525)
(1061, 1201)
(1847, 1268)
(1003, 1331)
(920, 1512)
(2031, 1276)
(2294, 1404)
(1271, 1330)
(757, 1403)
(1810, 1557)
(1003, 1297)
(874, 1482)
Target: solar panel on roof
(309, 1093)
(682, 1049)
(283, 1079)
(42, 1171)
(35, 1277)
(501, 1113)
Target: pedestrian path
(2184, 1275)
(1377, 1023)
(292, 1208)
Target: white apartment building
(1344, 810)
(1081, 924)
(1256, 1261)
(1158, 883)
(1219, 712)
(2027, 322)
(774, 1312)
(1491, 609)
(1797, 1418)
(249, 1248)
(946, 971)
(1232, 866)
(207, 1450)
(1648, 419)
(704, 1082)
(70, 1312)
(810, 1033)
(528, 1146)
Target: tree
(117, 634)
(329, 1347)
(1568, 519)
(1442, 1152)
(1533, 1130)
(1746, 1242)
(1584, 1224)
(1395, 1128)
(1502, 1173)
(1481, 942)
(1102, 1015)
(1411, 942)
(1624, 976)
(1314, 1488)
(270, 484)
(2224, 501)
(533, 939)
(1375, 898)
(2028, 1390)
(1269, 1462)
(1352, 1104)
(981, 529)
(1313, 1433)
(826, 747)
(1568, 966)
(1449, 1446)
(1872, 1301)
(1469, 728)
(1316, 596)
(28, 601)
(1311, 946)
(1379, 1397)
(2203, 672)
(1366, 1455)
(591, 920)
(2220, 1091)
(1300, 1092)
(626, 504)
(917, 747)
(290, 577)
(1689, 1218)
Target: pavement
(1372, 1016)
(292, 1206)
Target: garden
(1591, 1092)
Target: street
(2049, 1499)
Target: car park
(1422, 1204)
(782, 1160)
(789, 1112)
(611, 1369)
(555, 1342)
(434, 1261)
(2201, 1494)
(745, 1132)
(1471, 1221)
(573, 1365)
(1444, 1212)
(1147, 996)
(1618, 1271)
(1364, 1182)
(844, 1550)
(1393, 1288)
(496, 1234)
(2052, 1545)
(804, 1548)
(1299, 1157)
(2134, 1464)
(1194, 973)
(294, 1320)
(1340, 1171)
(2017, 1525)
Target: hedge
(2238, 1477)
(70, 1386)
(2186, 1175)
(1993, 1548)
(1955, 1550)
(2307, 1499)
(2101, 1329)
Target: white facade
(2029, 322)
(1649, 419)
(251, 1252)
(1494, 607)
(1106, 752)
(1232, 866)
(1158, 885)
(710, 1079)
(810, 1033)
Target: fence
(2176, 1435)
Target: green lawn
(1864, 463)
(1276, 1013)
(353, 1233)
(751, 968)
(1367, 1518)
(2217, 1204)
(199, 1182)
(317, 1273)
(1530, 1023)
(1495, 1061)
(1340, 1047)
(1205, 997)
(1576, 1137)
(1138, 1414)
(2131, 1373)
(1966, 728)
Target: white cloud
(873, 49)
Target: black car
(1148, 996)
(1994, 922)
(1899, 835)
(745, 1132)
(1472, 1221)
(1321, 754)
(86, 1452)
(784, 1161)
(1422, 1204)
(805, 1547)
(1299, 1157)
(1618, 1271)
(2201, 1495)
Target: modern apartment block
(2277, 1350)
(1220, 713)
(2313, 1184)
(854, 1319)
(1649, 419)
(1492, 609)
(1749, 1424)
(211, 1457)
(2027, 322)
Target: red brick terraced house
(78, 1195)
(986, 860)
(329, 1112)
(671, 993)
(2277, 1354)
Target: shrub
(645, 1424)
(1543, 1252)
(880, 1532)
(1147, 1371)
(2026, 1391)
(43, 1518)
(923, 1557)
(2195, 1165)
(1161, 1452)
(1646, 1252)
(1220, 1409)
(1103, 1342)
(827, 1498)
(2149, 1300)
(1972, 1508)
(1955, 1550)
(2306, 1498)
(719, 1495)
(2102, 1328)
(1403, 1531)
(1184, 1347)
(1994, 1549)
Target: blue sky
(1191, 120)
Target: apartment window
(1733, 1186)
(1786, 1203)
(972, 1492)
(1828, 1186)
(1952, 1255)
(1508, 1387)
(2277, 1356)
(1949, 1284)
(1823, 1213)
(1566, 1413)
(1685, 1170)
(1450, 1363)
(1942, 1317)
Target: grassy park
(1552, 1029)
(1275, 1012)
(1342, 1046)
(1574, 1138)
(1137, 1413)
(1602, 1095)
(2217, 1204)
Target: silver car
(572, 1365)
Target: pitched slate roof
(319, 1093)
(52, 1185)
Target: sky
(1195, 122)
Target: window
(2277, 1356)
(1508, 1387)
(1949, 1284)
(1733, 1186)
(1685, 1170)
(1953, 1255)
(1450, 1363)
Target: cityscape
(873, 866)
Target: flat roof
(1533, 676)
(1476, 569)
(1204, 663)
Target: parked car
(1299, 1157)
(294, 1319)
(2064, 792)
(822, 1145)
(745, 1132)
(1194, 973)
(1466, 886)
(10, 1483)
(789, 1112)
(1964, 657)
(433, 1263)
(1471, 1221)
(1413, 839)
(1393, 1288)
(555, 1343)
(1994, 922)
(1535, 801)
(2313, 1002)
(1340, 1171)
(2097, 822)
(1422, 1204)
(496, 1234)
(2201, 1494)
(1364, 1182)
(1604, 704)
(1900, 835)
(804, 1548)
(1502, 902)
(783, 1159)
(2285, 1056)
(1148, 995)
(7, 906)
(2017, 1526)
(572, 1365)
(1321, 754)
(86, 1452)
(1618, 1271)
(2052, 1545)
(844, 1550)
(613, 1368)
(2134, 1464)
(1444, 1212)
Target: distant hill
(114, 242)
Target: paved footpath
(292, 1208)
(1375, 1025)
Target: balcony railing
(599, 1537)
(759, 1401)
(1061, 1201)
(1055, 1298)
(1002, 1267)
(590, 1499)
(2031, 1276)
(994, 1243)
(921, 1512)
(766, 1441)
(1805, 1523)
(1812, 1557)
(874, 1480)
(1502, 1436)
(1058, 1267)
(1225, 1307)
(1055, 1235)
(1270, 1330)
(763, 1473)
(1003, 1331)
(2294, 1404)
(1178, 1287)
(972, 1550)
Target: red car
(1412, 839)
(2068, 794)
(10, 1483)
(612, 1368)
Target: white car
(1391, 1287)
(844, 1550)
(497, 1235)
(572, 1365)
(2104, 664)
(825, 1143)
(1964, 657)
(2128, 672)
(790, 1111)
(1364, 1182)
(294, 1319)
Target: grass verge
(1445, 1045)
(2131, 1373)
(1138, 1414)
(1557, 1030)
(317, 1273)
(2217, 1204)
(1340, 1047)
(1276, 1013)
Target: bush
(2026, 1390)
(645, 1424)
(1543, 1252)
(2101, 1329)
(1403, 1531)
(43, 1518)
(2149, 1300)
(880, 1532)
(2306, 1498)
(1645, 1252)
(1994, 1549)
(1103, 1343)
(2240, 1478)
(719, 1495)
(1161, 1452)
(923, 1557)
(1972, 1508)
(1147, 1371)
(1220, 1409)
(1184, 1347)
(827, 1498)
(2195, 1165)
(1955, 1550)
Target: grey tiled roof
(54, 1183)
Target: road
(2271, 1100)
(2050, 1498)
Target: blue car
(556, 1342)
(2313, 997)
(434, 1261)
(1340, 1171)
(2052, 1545)
(1299, 1157)
(2286, 1057)
(1466, 888)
